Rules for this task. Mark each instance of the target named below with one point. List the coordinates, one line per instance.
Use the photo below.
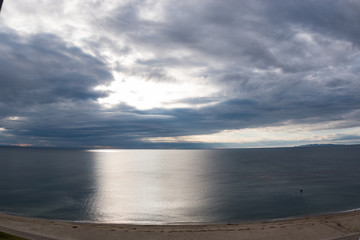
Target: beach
(345, 225)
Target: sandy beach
(331, 226)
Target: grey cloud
(41, 78)
(41, 69)
(348, 137)
(336, 19)
(241, 34)
(274, 61)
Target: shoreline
(328, 226)
(297, 217)
(289, 218)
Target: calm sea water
(178, 186)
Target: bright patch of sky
(144, 95)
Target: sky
(179, 74)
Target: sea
(179, 186)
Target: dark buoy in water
(301, 189)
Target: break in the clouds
(169, 74)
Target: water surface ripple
(178, 186)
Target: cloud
(231, 65)
(41, 69)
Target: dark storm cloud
(275, 62)
(41, 78)
(41, 69)
(237, 114)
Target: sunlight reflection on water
(147, 186)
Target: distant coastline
(325, 145)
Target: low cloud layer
(170, 70)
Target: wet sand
(331, 226)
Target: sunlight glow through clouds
(14, 118)
(152, 11)
(143, 94)
(290, 133)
